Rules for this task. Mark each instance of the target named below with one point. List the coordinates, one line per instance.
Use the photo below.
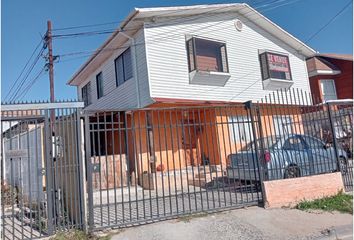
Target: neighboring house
(331, 76)
(20, 138)
(183, 56)
(25, 163)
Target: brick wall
(289, 192)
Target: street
(248, 223)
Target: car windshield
(269, 142)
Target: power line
(87, 26)
(329, 22)
(14, 95)
(89, 52)
(31, 83)
(84, 33)
(23, 69)
(311, 37)
(204, 14)
(114, 22)
(103, 24)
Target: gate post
(89, 172)
(49, 173)
(82, 172)
(335, 146)
(258, 152)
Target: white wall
(125, 95)
(25, 172)
(168, 66)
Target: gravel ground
(250, 223)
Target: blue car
(288, 156)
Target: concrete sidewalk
(250, 223)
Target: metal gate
(154, 164)
(158, 163)
(41, 169)
(342, 122)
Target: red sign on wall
(278, 63)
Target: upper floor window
(328, 90)
(207, 55)
(123, 67)
(86, 94)
(99, 85)
(274, 65)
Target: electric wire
(31, 83)
(329, 22)
(16, 92)
(168, 37)
(23, 70)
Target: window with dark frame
(274, 65)
(86, 94)
(123, 67)
(207, 55)
(99, 85)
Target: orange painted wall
(172, 135)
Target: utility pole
(48, 40)
(52, 138)
(50, 59)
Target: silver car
(287, 156)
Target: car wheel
(343, 164)
(292, 172)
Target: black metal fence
(154, 164)
(41, 175)
(158, 163)
(301, 139)
(342, 120)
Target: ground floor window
(240, 128)
(282, 125)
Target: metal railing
(159, 163)
(156, 163)
(305, 139)
(42, 171)
(153, 164)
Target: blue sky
(23, 22)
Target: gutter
(135, 70)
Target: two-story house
(189, 56)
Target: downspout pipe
(135, 69)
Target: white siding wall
(124, 96)
(168, 66)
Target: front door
(190, 141)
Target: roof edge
(313, 52)
(310, 52)
(130, 17)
